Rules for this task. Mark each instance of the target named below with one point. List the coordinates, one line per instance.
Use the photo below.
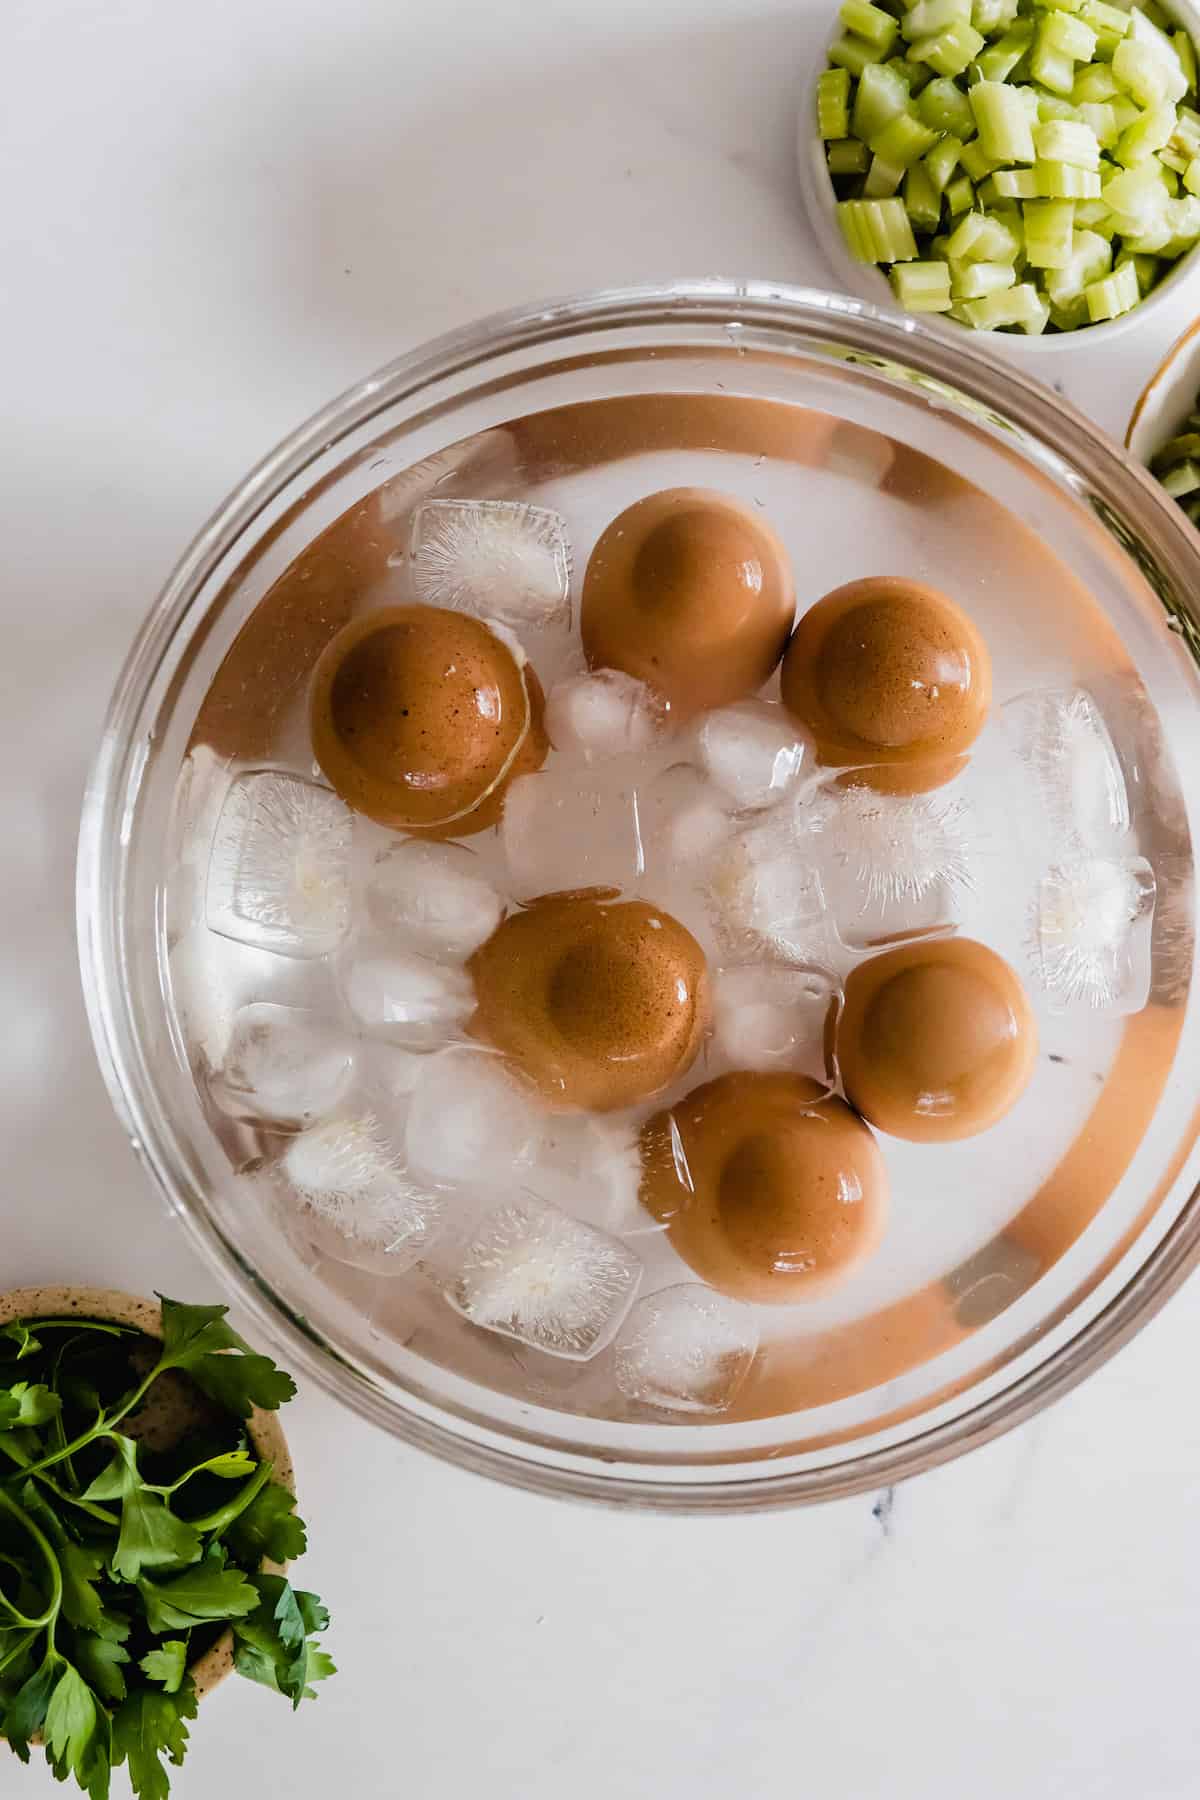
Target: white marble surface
(214, 217)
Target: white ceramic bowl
(869, 283)
(1167, 398)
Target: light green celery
(930, 16)
(1185, 50)
(922, 200)
(1049, 229)
(1142, 30)
(1090, 258)
(1101, 120)
(1171, 159)
(1053, 106)
(975, 162)
(951, 51)
(1067, 36)
(854, 54)
(1095, 215)
(1126, 112)
(869, 22)
(1052, 69)
(922, 286)
(1066, 141)
(1094, 84)
(1014, 184)
(1070, 318)
(903, 141)
(944, 107)
(993, 16)
(1186, 136)
(1146, 270)
(1184, 478)
(960, 195)
(877, 231)
(1012, 306)
(1109, 23)
(1059, 181)
(833, 104)
(1191, 176)
(974, 281)
(1155, 13)
(880, 97)
(1140, 72)
(1003, 123)
(1133, 191)
(1037, 316)
(883, 179)
(942, 161)
(982, 238)
(999, 60)
(846, 156)
(1116, 294)
(916, 74)
(1183, 224)
(1149, 134)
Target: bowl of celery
(1031, 170)
(1164, 430)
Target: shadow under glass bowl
(969, 1349)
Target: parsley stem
(103, 1426)
(52, 1566)
(102, 1513)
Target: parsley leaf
(151, 1536)
(26, 1713)
(70, 1723)
(81, 1568)
(147, 1726)
(195, 1338)
(273, 1646)
(100, 1659)
(204, 1592)
(167, 1664)
(20, 1335)
(25, 1405)
(268, 1529)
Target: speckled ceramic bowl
(165, 1416)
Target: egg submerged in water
(690, 593)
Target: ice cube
(534, 1274)
(279, 876)
(775, 1016)
(358, 1202)
(413, 999)
(601, 714)
(433, 896)
(685, 1349)
(890, 866)
(285, 1065)
(765, 895)
(1092, 927)
(753, 753)
(1079, 789)
(562, 831)
(592, 1167)
(471, 1122)
(500, 559)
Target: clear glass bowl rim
(1112, 478)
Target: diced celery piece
(1049, 229)
(922, 199)
(998, 61)
(854, 54)
(1067, 36)
(922, 286)
(1095, 83)
(1171, 159)
(982, 237)
(1126, 112)
(1183, 479)
(1141, 72)
(870, 22)
(833, 104)
(1185, 50)
(1185, 139)
(1187, 443)
(960, 195)
(975, 162)
(1004, 130)
(877, 231)
(846, 156)
(1143, 30)
(1109, 23)
(1070, 318)
(1183, 226)
(1170, 179)
(1191, 176)
(948, 52)
(1116, 294)
(1146, 270)
(944, 107)
(1095, 215)
(1132, 192)
(973, 281)
(1052, 68)
(1147, 135)
(1015, 184)
(1090, 258)
(1101, 120)
(903, 141)
(1052, 106)
(883, 179)
(993, 16)
(942, 161)
(1059, 181)
(1154, 13)
(930, 16)
(879, 98)
(1020, 305)
(1065, 141)
(1036, 317)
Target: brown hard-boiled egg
(420, 717)
(891, 674)
(692, 594)
(771, 1187)
(601, 1002)
(937, 1040)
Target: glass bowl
(1049, 1291)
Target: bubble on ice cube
(603, 713)
(1063, 743)
(284, 1065)
(533, 1273)
(890, 866)
(752, 752)
(471, 1121)
(500, 559)
(775, 1016)
(279, 876)
(358, 1202)
(562, 832)
(411, 998)
(685, 1349)
(1092, 928)
(765, 895)
(434, 896)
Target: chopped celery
(1187, 443)
(1183, 478)
(1036, 318)
(1059, 181)
(880, 97)
(922, 286)
(960, 195)
(1049, 229)
(869, 22)
(854, 54)
(1095, 83)
(1142, 30)
(1126, 112)
(1015, 184)
(1191, 176)
(883, 179)
(1012, 306)
(1141, 72)
(1154, 13)
(1183, 224)
(974, 281)
(1090, 258)
(877, 231)
(1004, 130)
(998, 61)
(942, 161)
(1110, 23)
(1185, 139)
(1053, 69)
(833, 104)
(903, 141)
(1185, 50)
(1116, 294)
(991, 16)
(981, 238)
(1065, 141)
(1101, 120)
(846, 156)
(944, 107)
(1070, 318)
(1133, 192)
(1148, 134)
(1052, 106)
(951, 51)
(1095, 215)
(922, 199)
(975, 162)
(1067, 36)
(1146, 270)
(930, 16)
